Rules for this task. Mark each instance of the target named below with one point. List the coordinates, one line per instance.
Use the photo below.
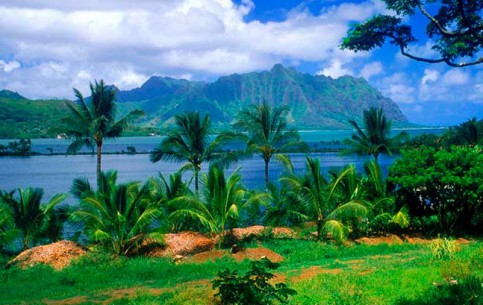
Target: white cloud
(398, 87)
(371, 69)
(429, 76)
(455, 77)
(124, 41)
(335, 70)
(9, 66)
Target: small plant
(253, 288)
(442, 248)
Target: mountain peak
(11, 95)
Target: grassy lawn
(320, 273)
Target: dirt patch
(353, 262)
(389, 239)
(183, 243)
(283, 232)
(313, 271)
(58, 255)
(247, 253)
(257, 254)
(206, 256)
(381, 257)
(462, 241)
(256, 232)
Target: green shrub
(253, 288)
(442, 248)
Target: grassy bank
(321, 274)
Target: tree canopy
(455, 29)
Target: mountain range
(316, 102)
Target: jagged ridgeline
(316, 102)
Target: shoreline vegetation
(120, 224)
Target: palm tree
(266, 132)
(189, 140)
(323, 201)
(373, 138)
(89, 123)
(219, 206)
(29, 214)
(283, 207)
(118, 216)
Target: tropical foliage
(189, 141)
(373, 137)
(93, 120)
(30, 215)
(117, 216)
(219, 205)
(266, 132)
(7, 226)
(444, 183)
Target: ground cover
(321, 274)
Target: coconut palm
(323, 201)
(165, 189)
(118, 216)
(283, 207)
(92, 121)
(189, 140)
(373, 138)
(29, 214)
(265, 132)
(220, 203)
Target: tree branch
(445, 60)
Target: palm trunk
(266, 172)
(197, 171)
(99, 161)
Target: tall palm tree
(29, 214)
(373, 138)
(266, 133)
(189, 140)
(92, 121)
(118, 216)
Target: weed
(253, 288)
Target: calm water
(55, 173)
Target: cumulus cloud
(398, 87)
(9, 66)
(124, 42)
(371, 69)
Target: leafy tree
(267, 133)
(445, 183)
(118, 216)
(189, 140)
(29, 214)
(454, 27)
(373, 138)
(254, 288)
(92, 121)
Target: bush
(442, 248)
(253, 288)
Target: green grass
(397, 274)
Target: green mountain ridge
(316, 102)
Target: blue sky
(47, 47)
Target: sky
(48, 47)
